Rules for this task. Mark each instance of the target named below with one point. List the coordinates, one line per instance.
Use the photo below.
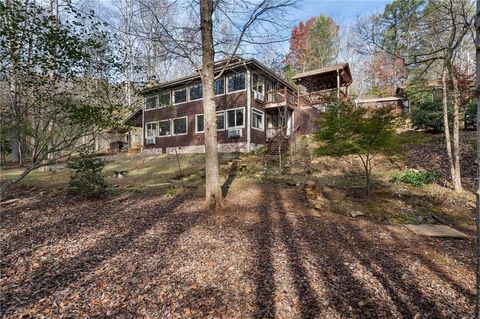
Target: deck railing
(284, 96)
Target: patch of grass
(415, 178)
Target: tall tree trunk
(213, 196)
(477, 44)
(446, 126)
(456, 180)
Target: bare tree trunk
(213, 195)
(477, 217)
(446, 126)
(456, 180)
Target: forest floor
(155, 252)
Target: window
(257, 119)
(220, 121)
(165, 98)
(199, 123)
(196, 92)
(235, 118)
(257, 83)
(151, 129)
(219, 86)
(180, 126)
(164, 128)
(236, 82)
(151, 102)
(180, 96)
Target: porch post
(338, 83)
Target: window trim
(157, 103)
(156, 130)
(196, 123)
(226, 118)
(158, 99)
(187, 91)
(189, 95)
(172, 127)
(227, 90)
(263, 119)
(263, 81)
(202, 114)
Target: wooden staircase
(278, 144)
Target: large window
(235, 118)
(257, 83)
(180, 126)
(196, 92)
(165, 98)
(180, 96)
(199, 125)
(236, 82)
(164, 128)
(257, 119)
(219, 86)
(220, 120)
(151, 129)
(151, 102)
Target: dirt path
(265, 256)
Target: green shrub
(428, 115)
(470, 115)
(415, 178)
(87, 178)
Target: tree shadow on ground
(60, 273)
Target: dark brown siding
(306, 120)
(257, 136)
(190, 109)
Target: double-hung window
(235, 118)
(257, 119)
(165, 98)
(180, 96)
(220, 120)
(151, 102)
(200, 122)
(151, 129)
(196, 92)
(258, 83)
(236, 82)
(164, 128)
(179, 126)
(219, 86)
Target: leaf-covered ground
(145, 255)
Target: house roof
(324, 78)
(235, 62)
(379, 99)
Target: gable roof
(235, 62)
(324, 78)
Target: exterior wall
(305, 120)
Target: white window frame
(226, 83)
(226, 118)
(181, 89)
(146, 130)
(158, 99)
(157, 102)
(217, 114)
(172, 127)
(189, 95)
(263, 119)
(263, 80)
(169, 124)
(224, 86)
(196, 123)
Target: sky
(343, 12)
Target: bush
(415, 178)
(429, 115)
(87, 178)
(470, 115)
